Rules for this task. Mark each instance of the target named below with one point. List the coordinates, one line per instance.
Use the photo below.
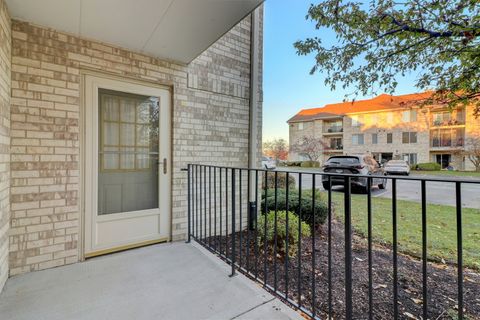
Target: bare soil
(442, 278)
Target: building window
(389, 137)
(409, 116)
(336, 144)
(411, 158)
(374, 138)
(357, 139)
(128, 131)
(409, 137)
(300, 126)
(357, 121)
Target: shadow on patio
(166, 281)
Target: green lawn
(441, 230)
(474, 174)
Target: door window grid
(125, 140)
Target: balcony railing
(449, 122)
(224, 215)
(447, 143)
(333, 129)
(336, 147)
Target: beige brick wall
(298, 130)
(382, 127)
(210, 125)
(5, 83)
(472, 131)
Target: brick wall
(5, 57)
(381, 126)
(210, 125)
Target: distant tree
(381, 40)
(309, 147)
(276, 148)
(472, 151)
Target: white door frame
(92, 221)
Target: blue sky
(287, 83)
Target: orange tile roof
(381, 102)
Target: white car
(397, 167)
(268, 163)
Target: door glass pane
(128, 152)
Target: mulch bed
(442, 278)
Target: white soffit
(177, 30)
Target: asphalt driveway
(437, 192)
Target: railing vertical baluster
(220, 201)
(196, 202)
(348, 249)
(249, 217)
(287, 207)
(395, 248)
(210, 206)
(205, 202)
(257, 206)
(314, 309)
(265, 231)
(189, 204)
(424, 249)
(233, 223)
(215, 207)
(226, 213)
(458, 197)
(275, 235)
(299, 254)
(370, 256)
(330, 307)
(240, 191)
(201, 204)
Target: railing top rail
(416, 178)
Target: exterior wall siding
(210, 125)
(5, 83)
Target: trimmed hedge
(320, 211)
(310, 164)
(292, 163)
(428, 166)
(282, 235)
(281, 180)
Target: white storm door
(127, 165)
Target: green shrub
(282, 233)
(293, 163)
(281, 180)
(310, 164)
(307, 215)
(428, 166)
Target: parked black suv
(361, 164)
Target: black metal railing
(223, 216)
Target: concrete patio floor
(165, 281)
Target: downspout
(253, 135)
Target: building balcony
(333, 130)
(448, 123)
(447, 143)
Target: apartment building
(390, 127)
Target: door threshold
(123, 248)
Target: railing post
(458, 203)
(348, 249)
(189, 213)
(233, 223)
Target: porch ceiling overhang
(175, 30)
